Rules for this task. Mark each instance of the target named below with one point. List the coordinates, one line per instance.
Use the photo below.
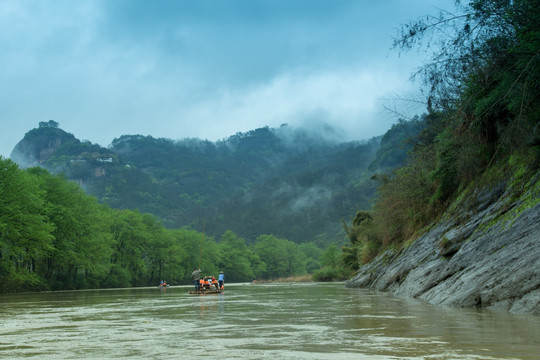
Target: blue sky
(205, 68)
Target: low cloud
(310, 197)
(349, 100)
(200, 69)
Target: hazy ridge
(287, 181)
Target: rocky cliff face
(485, 253)
(38, 145)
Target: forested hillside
(481, 131)
(284, 182)
(56, 236)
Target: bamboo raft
(205, 291)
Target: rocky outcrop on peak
(39, 144)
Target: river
(264, 321)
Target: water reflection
(302, 321)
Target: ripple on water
(311, 321)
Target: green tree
(296, 259)
(235, 258)
(333, 269)
(82, 243)
(331, 257)
(313, 254)
(485, 71)
(273, 252)
(167, 257)
(483, 104)
(188, 242)
(25, 232)
(258, 267)
(282, 258)
(202, 252)
(130, 238)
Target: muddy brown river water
(264, 321)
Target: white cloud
(199, 69)
(349, 99)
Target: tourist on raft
(221, 280)
(205, 283)
(214, 283)
(196, 277)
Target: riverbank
(301, 278)
(484, 253)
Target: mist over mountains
(288, 182)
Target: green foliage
(330, 257)
(281, 181)
(395, 144)
(486, 68)
(281, 257)
(54, 236)
(399, 189)
(313, 255)
(334, 266)
(273, 252)
(484, 108)
(331, 274)
(81, 240)
(235, 259)
(25, 230)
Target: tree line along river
(277, 320)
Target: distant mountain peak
(49, 124)
(40, 143)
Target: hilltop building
(50, 123)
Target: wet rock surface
(485, 257)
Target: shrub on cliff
(483, 104)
